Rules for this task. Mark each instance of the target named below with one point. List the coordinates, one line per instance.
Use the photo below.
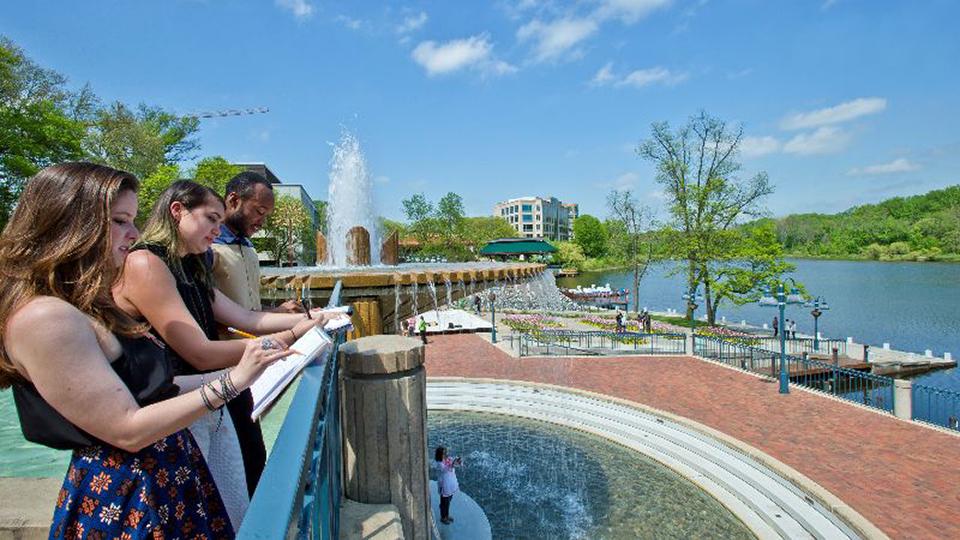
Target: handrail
(875, 391)
(299, 492)
(933, 405)
(595, 342)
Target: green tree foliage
(41, 121)
(321, 207)
(140, 141)
(478, 231)
(632, 238)
(214, 172)
(449, 214)
(440, 230)
(419, 212)
(291, 228)
(151, 187)
(921, 227)
(754, 260)
(591, 235)
(569, 255)
(698, 171)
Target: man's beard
(237, 224)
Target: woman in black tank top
(87, 377)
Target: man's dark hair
(244, 183)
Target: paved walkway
(902, 477)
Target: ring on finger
(267, 344)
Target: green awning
(518, 246)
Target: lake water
(911, 306)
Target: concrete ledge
(360, 521)
(26, 507)
(751, 483)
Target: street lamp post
(692, 297)
(819, 305)
(493, 315)
(780, 301)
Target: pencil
(247, 335)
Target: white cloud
(836, 114)
(301, 9)
(629, 11)
(898, 165)
(554, 39)
(604, 75)
(824, 140)
(351, 23)
(472, 52)
(655, 75)
(758, 146)
(412, 23)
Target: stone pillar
(385, 428)
(358, 246)
(902, 399)
(366, 318)
(321, 249)
(390, 249)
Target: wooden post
(358, 247)
(321, 248)
(385, 427)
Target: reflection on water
(537, 480)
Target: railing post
(903, 399)
(385, 427)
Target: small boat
(604, 296)
(567, 272)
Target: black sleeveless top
(196, 297)
(144, 368)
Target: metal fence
(935, 405)
(802, 345)
(299, 493)
(857, 386)
(595, 343)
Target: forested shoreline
(916, 228)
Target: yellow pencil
(247, 335)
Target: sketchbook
(275, 379)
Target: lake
(911, 306)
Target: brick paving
(902, 477)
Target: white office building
(539, 217)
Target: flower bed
(727, 334)
(531, 323)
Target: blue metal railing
(799, 346)
(595, 343)
(300, 491)
(857, 386)
(935, 405)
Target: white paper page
(281, 373)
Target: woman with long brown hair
(167, 283)
(88, 377)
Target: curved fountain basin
(768, 504)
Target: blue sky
(842, 101)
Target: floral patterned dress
(163, 491)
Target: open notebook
(272, 382)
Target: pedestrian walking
(776, 325)
(619, 322)
(477, 302)
(447, 483)
(423, 330)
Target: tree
(450, 214)
(321, 207)
(214, 172)
(477, 231)
(632, 237)
(151, 187)
(419, 211)
(697, 167)
(41, 122)
(590, 234)
(755, 259)
(140, 141)
(569, 255)
(290, 226)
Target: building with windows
(539, 217)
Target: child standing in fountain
(447, 483)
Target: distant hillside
(917, 228)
